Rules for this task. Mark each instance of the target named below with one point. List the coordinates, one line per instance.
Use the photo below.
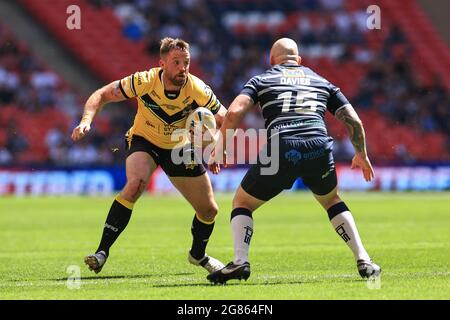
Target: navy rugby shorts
(311, 160)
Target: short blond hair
(168, 44)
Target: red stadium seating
(99, 43)
(431, 55)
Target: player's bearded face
(176, 66)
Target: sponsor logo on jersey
(150, 105)
(153, 93)
(150, 124)
(170, 107)
(207, 89)
(293, 73)
(186, 101)
(168, 129)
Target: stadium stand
(29, 92)
(38, 110)
(396, 77)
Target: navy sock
(336, 209)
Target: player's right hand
(80, 131)
(363, 162)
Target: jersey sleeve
(134, 85)
(336, 100)
(250, 89)
(206, 97)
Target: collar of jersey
(290, 65)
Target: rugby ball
(201, 126)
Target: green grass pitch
(295, 253)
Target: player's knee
(240, 202)
(133, 189)
(332, 201)
(328, 200)
(236, 201)
(212, 211)
(209, 213)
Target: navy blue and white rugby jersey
(294, 99)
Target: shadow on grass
(99, 277)
(136, 276)
(258, 282)
(263, 283)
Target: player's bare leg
(242, 228)
(198, 192)
(344, 224)
(139, 167)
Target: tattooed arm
(357, 135)
(354, 126)
(109, 93)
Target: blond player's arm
(104, 95)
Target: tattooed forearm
(354, 126)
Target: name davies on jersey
(295, 81)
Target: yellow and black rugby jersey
(160, 112)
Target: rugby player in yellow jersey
(165, 97)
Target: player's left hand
(214, 168)
(214, 162)
(363, 162)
